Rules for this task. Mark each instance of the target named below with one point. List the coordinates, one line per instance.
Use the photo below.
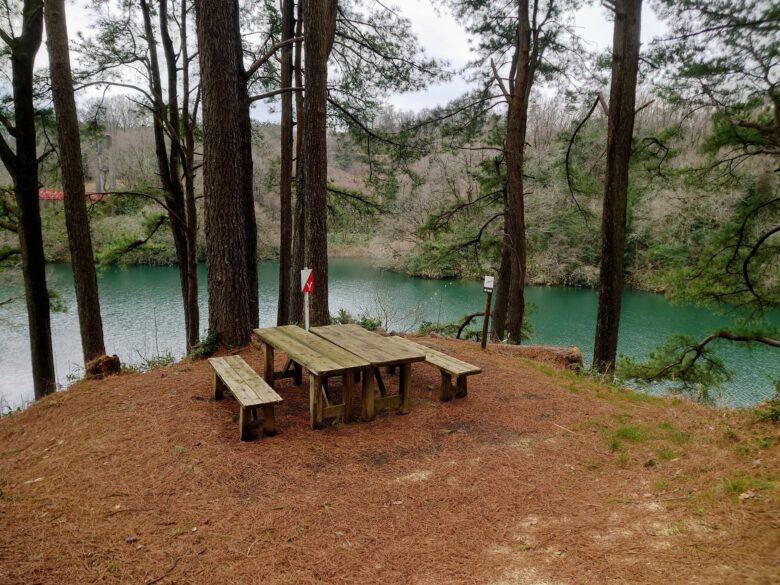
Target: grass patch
(741, 483)
(660, 485)
(631, 433)
(666, 453)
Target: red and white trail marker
(307, 280)
(307, 285)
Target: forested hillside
(428, 219)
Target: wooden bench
(450, 368)
(232, 373)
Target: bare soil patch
(538, 477)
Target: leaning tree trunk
(320, 18)
(514, 149)
(76, 218)
(620, 129)
(25, 175)
(232, 294)
(286, 169)
(176, 163)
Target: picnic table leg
(315, 401)
(404, 385)
(269, 420)
(244, 426)
(298, 374)
(368, 396)
(349, 396)
(219, 388)
(461, 387)
(268, 364)
(446, 387)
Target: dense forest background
(428, 220)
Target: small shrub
(205, 347)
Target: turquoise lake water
(142, 317)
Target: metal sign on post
(488, 288)
(307, 285)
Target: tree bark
(620, 129)
(188, 121)
(230, 247)
(25, 178)
(76, 218)
(502, 286)
(318, 41)
(176, 164)
(299, 211)
(514, 150)
(286, 169)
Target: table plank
(368, 345)
(317, 355)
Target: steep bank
(539, 476)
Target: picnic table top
(316, 354)
(369, 346)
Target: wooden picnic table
(322, 359)
(379, 352)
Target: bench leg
(391, 370)
(357, 377)
(269, 421)
(368, 396)
(315, 401)
(298, 374)
(404, 385)
(219, 388)
(445, 394)
(461, 387)
(349, 396)
(245, 422)
(268, 364)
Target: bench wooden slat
(368, 345)
(317, 355)
(247, 387)
(253, 380)
(449, 364)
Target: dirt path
(538, 477)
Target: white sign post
(488, 287)
(307, 285)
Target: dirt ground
(539, 476)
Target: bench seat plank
(247, 387)
(449, 364)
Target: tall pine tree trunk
(514, 150)
(76, 219)
(620, 130)
(25, 178)
(231, 276)
(191, 303)
(286, 169)
(299, 210)
(320, 17)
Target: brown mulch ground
(538, 477)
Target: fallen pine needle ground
(539, 476)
